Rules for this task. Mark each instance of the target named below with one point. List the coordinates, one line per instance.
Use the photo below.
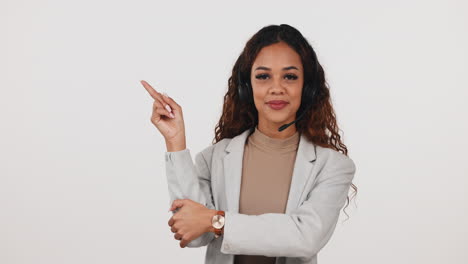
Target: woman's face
(277, 74)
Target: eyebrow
(285, 68)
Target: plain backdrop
(82, 172)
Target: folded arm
(301, 233)
(187, 180)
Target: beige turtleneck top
(267, 169)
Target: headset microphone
(283, 127)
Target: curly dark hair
(319, 122)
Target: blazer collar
(233, 171)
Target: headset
(246, 95)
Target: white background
(82, 176)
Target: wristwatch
(218, 223)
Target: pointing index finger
(150, 89)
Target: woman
(270, 187)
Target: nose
(277, 88)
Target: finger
(171, 221)
(157, 96)
(184, 242)
(150, 89)
(157, 104)
(168, 102)
(177, 236)
(164, 112)
(162, 104)
(176, 204)
(173, 229)
(171, 102)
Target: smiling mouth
(277, 106)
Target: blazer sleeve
(187, 180)
(304, 231)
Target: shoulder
(214, 150)
(329, 154)
(331, 160)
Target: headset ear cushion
(245, 92)
(241, 88)
(239, 91)
(249, 93)
(308, 94)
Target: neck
(271, 130)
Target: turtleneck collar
(267, 143)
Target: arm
(303, 232)
(188, 181)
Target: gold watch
(218, 223)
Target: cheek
(259, 97)
(297, 102)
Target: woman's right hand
(172, 128)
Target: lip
(277, 104)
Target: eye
(264, 76)
(291, 76)
(261, 76)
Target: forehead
(277, 55)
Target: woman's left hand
(190, 221)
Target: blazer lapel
(232, 162)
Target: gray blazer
(320, 184)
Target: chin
(277, 119)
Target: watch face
(218, 221)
